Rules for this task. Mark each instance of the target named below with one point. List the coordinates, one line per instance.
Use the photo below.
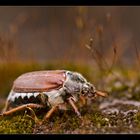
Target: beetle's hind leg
(23, 107)
(33, 115)
(50, 112)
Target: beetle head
(89, 91)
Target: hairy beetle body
(48, 89)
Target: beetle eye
(92, 88)
(83, 93)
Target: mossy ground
(66, 122)
(114, 118)
(16, 124)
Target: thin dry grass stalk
(9, 52)
(101, 61)
(114, 57)
(137, 54)
(99, 58)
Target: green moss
(137, 119)
(98, 119)
(18, 124)
(71, 121)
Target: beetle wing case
(40, 81)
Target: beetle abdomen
(16, 99)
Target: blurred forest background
(100, 42)
(42, 38)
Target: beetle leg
(70, 100)
(22, 107)
(49, 113)
(33, 116)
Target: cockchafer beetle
(52, 88)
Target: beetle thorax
(73, 84)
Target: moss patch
(18, 124)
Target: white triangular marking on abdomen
(29, 95)
(35, 94)
(17, 95)
(23, 95)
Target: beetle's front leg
(71, 102)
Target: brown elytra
(39, 81)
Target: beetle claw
(74, 106)
(79, 115)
